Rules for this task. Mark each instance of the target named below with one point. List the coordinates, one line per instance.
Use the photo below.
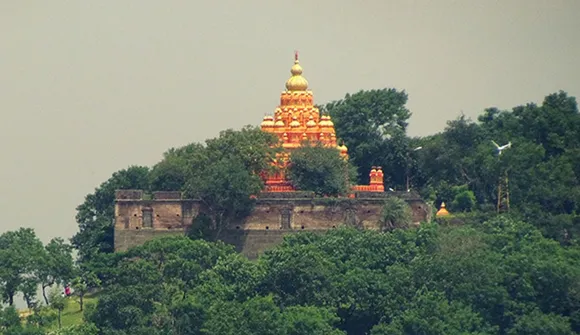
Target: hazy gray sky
(91, 87)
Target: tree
(29, 288)
(20, 252)
(8, 318)
(96, 214)
(314, 167)
(227, 172)
(395, 213)
(57, 301)
(173, 172)
(82, 329)
(432, 313)
(84, 280)
(366, 121)
(536, 323)
(225, 186)
(223, 173)
(55, 266)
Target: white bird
(390, 189)
(502, 147)
(417, 148)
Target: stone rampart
(140, 217)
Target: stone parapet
(129, 194)
(167, 195)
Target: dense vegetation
(497, 277)
(459, 165)
(516, 273)
(501, 276)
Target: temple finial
(296, 82)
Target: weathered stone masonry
(140, 217)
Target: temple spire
(297, 82)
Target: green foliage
(85, 279)
(82, 329)
(95, 215)
(58, 302)
(20, 253)
(228, 173)
(460, 166)
(314, 167)
(395, 213)
(538, 323)
(55, 266)
(171, 174)
(372, 125)
(463, 199)
(495, 275)
(223, 174)
(10, 323)
(432, 313)
(9, 318)
(200, 227)
(500, 276)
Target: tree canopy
(501, 276)
(372, 125)
(314, 167)
(516, 273)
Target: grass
(72, 315)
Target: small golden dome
(294, 122)
(279, 122)
(442, 211)
(296, 82)
(329, 123)
(311, 123)
(268, 122)
(342, 148)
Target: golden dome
(268, 122)
(442, 211)
(311, 123)
(279, 122)
(325, 122)
(342, 148)
(294, 122)
(296, 82)
(329, 123)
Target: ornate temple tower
(296, 121)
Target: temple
(296, 122)
(279, 209)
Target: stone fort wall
(140, 217)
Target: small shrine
(442, 211)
